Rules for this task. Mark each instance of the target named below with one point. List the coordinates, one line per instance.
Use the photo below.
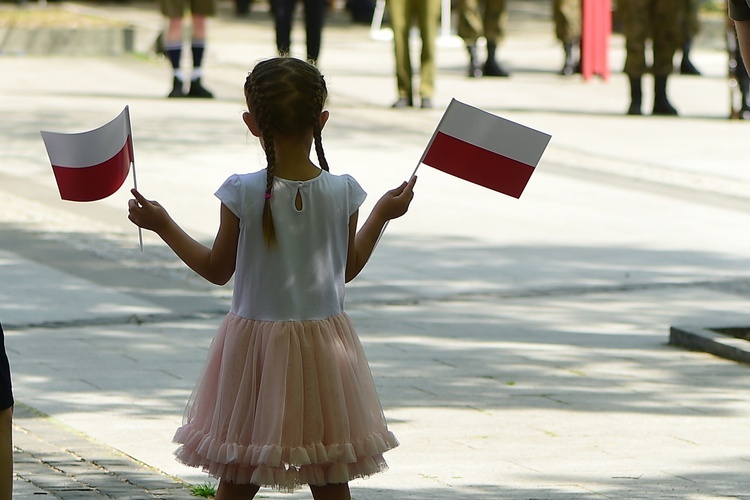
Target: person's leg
(315, 14)
(635, 26)
(428, 14)
(469, 29)
(231, 491)
(567, 15)
(401, 23)
(283, 14)
(6, 454)
(197, 47)
(666, 38)
(173, 50)
(6, 428)
(691, 27)
(495, 20)
(331, 492)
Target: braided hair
(286, 96)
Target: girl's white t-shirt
(303, 276)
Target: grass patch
(51, 17)
(205, 490)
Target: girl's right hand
(147, 214)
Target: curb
(712, 341)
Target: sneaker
(197, 90)
(426, 103)
(176, 88)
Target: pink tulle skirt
(284, 404)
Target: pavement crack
(115, 320)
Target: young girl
(286, 397)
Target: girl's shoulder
(249, 177)
(340, 179)
(347, 188)
(244, 180)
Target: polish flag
(485, 149)
(91, 165)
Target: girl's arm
(391, 205)
(215, 264)
(743, 36)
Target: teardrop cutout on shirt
(298, 201)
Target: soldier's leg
(399, 11)
(428, 15)
(634, 15)
(691, 26)
(567, 17)
(495, 19)
(665, 39)
(470, 29)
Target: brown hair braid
(286, 96)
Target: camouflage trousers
(482, 18)
(660, 21)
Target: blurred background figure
(315, 14)
(174, 10)
(567, 16)
(403, 14)
(483, 18)
(361, 11)
(691, 26)
(739, 12)
(739, 81)
(655, 20)
(242, 7)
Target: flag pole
(386, 222)
(135, 185)
(419, 163)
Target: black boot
(661, 103)
(474, 69)
(176, 88)
(636, 96)
(569, 67)
(198, 90)
(686, 67)
(492, 67)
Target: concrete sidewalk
(519, 346)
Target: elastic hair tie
(268, 196)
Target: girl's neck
(293, 160)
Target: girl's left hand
(395, 203)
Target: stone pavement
(519, 346)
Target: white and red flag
(92, 165)
(485, 149)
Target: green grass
(205, 490)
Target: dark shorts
(6, 393)
(178, 8)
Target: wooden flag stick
(386, 222)
(135, 185)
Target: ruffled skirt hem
(285, 469)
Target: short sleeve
(357, 195)
(739, 10)
(230, 193)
